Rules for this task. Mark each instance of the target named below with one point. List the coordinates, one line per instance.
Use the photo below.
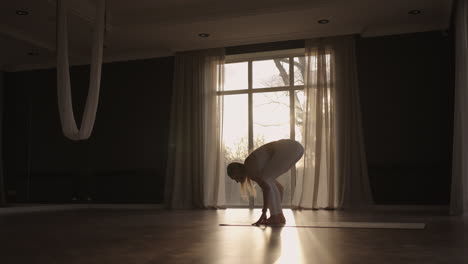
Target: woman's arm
(254, 172)
(265, 191)
(266, 194)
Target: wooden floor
(159, 236)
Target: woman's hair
(246, 188)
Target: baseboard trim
(35, 208)
(378, 207)
(416, 208)
(32, 208)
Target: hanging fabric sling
(67, 118)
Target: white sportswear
(269, 162)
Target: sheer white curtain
(459, 194)
(195, 148)
(333, 172)
(65, 102)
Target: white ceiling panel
(148, 28)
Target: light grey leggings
(275, 198)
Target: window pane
(270, 117)
(235, 76)
(271, 121)
(299, 66)
(235, 139)
(270, 73)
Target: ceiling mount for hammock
(67, 118)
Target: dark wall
(123, 161)
(406, 86)
(2, 189)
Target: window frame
(291, 89)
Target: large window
(263, 102)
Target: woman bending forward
(263, 166)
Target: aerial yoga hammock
(67, 118)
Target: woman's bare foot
(277, 219)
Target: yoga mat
(369, 225)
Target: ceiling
(147, 28)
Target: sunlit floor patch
(274, 245)
(332, 224)
(345, 225)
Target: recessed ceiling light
(323, 21)
(414, 12)
(22, 12)
(203, 35)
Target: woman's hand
(262, 220)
